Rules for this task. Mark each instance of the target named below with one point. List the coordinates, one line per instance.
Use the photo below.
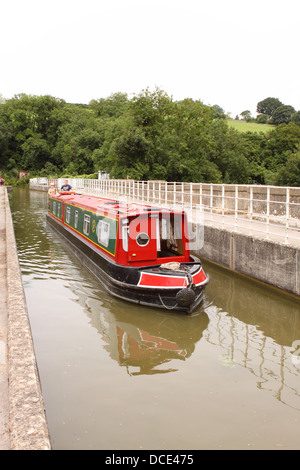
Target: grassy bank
(243, 126)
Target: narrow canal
(120, 376)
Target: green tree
(289, 174)
(36, 153)
(262, 118)
(186, 142)
(6, 133)
(148, 137)
(31, 133)
(218, 112)
(246, 114)
(281, 143)
(296, 117)
(268, 106)
(132, 152)
(254, 148)
(113, 106)
(283, 115)
(227, 153)
(149, 109)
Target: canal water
(120, 376)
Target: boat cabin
(130, 234)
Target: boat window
(86, 224)
(165, 229)
(125, 231)
(54, 207)
(142, 239)
(68, 214)
(76, 219)
(103, 233)
(158, 245)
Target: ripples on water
(120, 376)
(40, 257)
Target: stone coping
(27, 419)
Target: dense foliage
(273, 111)
(147, 137)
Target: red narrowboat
(138, 252)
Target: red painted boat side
(199, 277)
(170, 282)
(157, 280)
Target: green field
(243, 126)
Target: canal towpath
(23, 424)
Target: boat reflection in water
(144, 342)
(256, 336)
(142, 350)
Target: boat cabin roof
(112, 206)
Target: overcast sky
(227, 52)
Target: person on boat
(66, 186)
(1, 181)
(52, 190)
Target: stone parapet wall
(276, 264)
